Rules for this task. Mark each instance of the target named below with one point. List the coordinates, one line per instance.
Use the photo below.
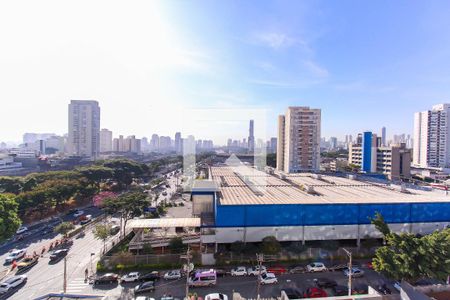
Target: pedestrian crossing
(76, 285)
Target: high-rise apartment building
(178, 145)
(251, 137)
(432, 137)
(298, 147)
(154, 142)
(383, 136)
(105, 140)
(84, 128)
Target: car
(221, 272)
(152, 276)
(15, 255)
(255, 270)
(78, 213)
(239, 271)
(297, 270)
(21, 229)
(293, 293)
(268, 278)
(106, 278)
(314, 292)
(172, 275)
(340, 267)
(58, 254)
(27, 262)
(340, 290)
(316, 267)
(325, 282)
(397, 285)
(130, 277)
(148, 286)
(114, 229)
(355, 272)
(277, 270)
(143, 298)
(11, 283)
(86, 220)
(216, 296)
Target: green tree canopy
(270, 245)
(11, 184)
(64, 228)
(9, 220)
(96, 174)
(102, 232)
(125, 170)
(176, 245)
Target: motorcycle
(383, 289)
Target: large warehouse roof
(245, 185)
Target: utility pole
(188, 270)
(65, 275)
(260, 259)
(350, 271)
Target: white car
(15, 255)
(268, 278)
(316, 267)
(239, 271)
(78, 213)
(216, 296)
(12, 283)
(255, 270)
(21, 229)
(355, 272)
(172, 275)
(130, 277)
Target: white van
(203, 278)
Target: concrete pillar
(216, 248)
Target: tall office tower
(298, 147)
(432, 137)
(84, 128)
(383, 136)
(178, 148)
(251, 137)
(333, 143)
(154, 142)
(105, 140)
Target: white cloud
(315, 69)
(275, 40)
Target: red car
(314, 292)
(369, 265)
(277, 270)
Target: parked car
(11, 283)
(216, 296)
(316, 267)
(78, 213)
(107, 278)
(340, 267)
(255, 270)
(293, 293)
(130, 277)
(172, 275)
(148, 286)
(27, 262)
(355, 272)
(221, 272)
(325, 282)
(340, 290)
(268, 278)
(314, 292)
(15, 255)
(114, 229)
(58, 254)
(278, 270)
(297, 270)
(86, 219)
(152, 276)
(239, 271)
(21, 229)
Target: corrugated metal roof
(164, 223)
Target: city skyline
(179, 56)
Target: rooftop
(246, 185)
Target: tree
(102, 232)
(64, 228)
(96, 174)
(9, 220)
(409, 257)
(11, 185)
(270, 245)
(176, 245)
(128, 205)
(125, 170)
(380, 224)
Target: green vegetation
(64, 228)
(335, 154)
(9, 220)
(176, 245)
(270, 245)
(410, 257)
(271, 160)
(102, 232)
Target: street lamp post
(350, 271)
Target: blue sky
(365, 64)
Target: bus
(203, 278)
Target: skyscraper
(84, 128)
(105, 140)
(251, 137)
(298, 148)
(432, 137)
(383, 136)
(178, 148)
